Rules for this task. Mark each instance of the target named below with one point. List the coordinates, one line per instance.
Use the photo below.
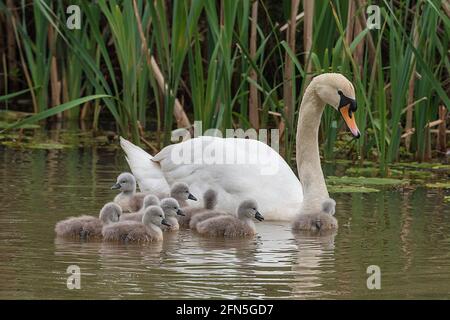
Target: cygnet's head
(337, 91)
(317, 218)
(210, 199)
(329, 206)
(125, 183)
(248, 209)
(171, 207)
(110, 213)
(151, 200)
(154, 215)
(180, 190)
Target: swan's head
(125, 182)
(210, 199)
(337, 91)
(110, 213)
(248, 209)
(151, 200)
(313, 218)
(329, 206)
(154, 215)
(180, 190)
(171, 207)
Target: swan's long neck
(307, 147)
(129, 192)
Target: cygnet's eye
(123, 181)
(160, 216)
(175, 208)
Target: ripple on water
(406, 234)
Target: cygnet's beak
(258, 216)
(115, 186)
(164, 222)
(191, 197)
(318, 224)
(180, 213)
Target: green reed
(207, 69)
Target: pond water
(406, 233)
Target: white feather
(261, 173)
(148, 174)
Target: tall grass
(230, 66)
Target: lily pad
(364, 181)
(423, 165)
(34, 145)
(351, 189)
(47, 146)
(368, 171)
(372, 172)
(439, 185)
(419, 174)
(447, 199)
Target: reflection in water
(313, 252)
(405, 232)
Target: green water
(405, 232)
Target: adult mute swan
(242, 168)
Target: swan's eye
(340, 92)
(175, 208)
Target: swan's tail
(148, 173)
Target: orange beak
(349, 120)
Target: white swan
(257, 171)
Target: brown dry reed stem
(254, 95)
(179, 113)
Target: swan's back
(133, 216)
(119, 230)
(255, 168)
(202, 216)
(226, 226)
(129, 231)
(79, 227)
(143, 234)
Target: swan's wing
(237, 169)
(147, 172)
